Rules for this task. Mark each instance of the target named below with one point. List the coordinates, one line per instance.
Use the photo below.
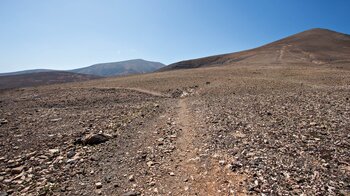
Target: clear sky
(66, 34)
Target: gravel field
(230, 130)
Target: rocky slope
(312, 47)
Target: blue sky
(65, 34)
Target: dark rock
(17, 170)
(93, 158)
(70, 154)
(176, 93)
(94, 139)
(3, 121)
(236, 165)
(78, 141)
(131, 193)
(98, 185)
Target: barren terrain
(40, 77)
(229, 130)
(313, 47)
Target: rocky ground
(44, 135)
(288, 143)
(215, 131)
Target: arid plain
(274, 128)
(271, 129)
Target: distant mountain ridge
(42, 78)
(36, 77)
(26, 72)
(315, 47)
(135, 66)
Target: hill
(42, 78)
(134, 66)
(315, 46)
(37, 77)
(26, 72)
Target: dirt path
(188, 150)
(207, 175)
(154, 93)
(281, 53)
(146, 91)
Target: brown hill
(315, 46)
(42, 78)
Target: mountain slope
(26, 72)
(42, 78)
(315, 46)
(120, 68)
